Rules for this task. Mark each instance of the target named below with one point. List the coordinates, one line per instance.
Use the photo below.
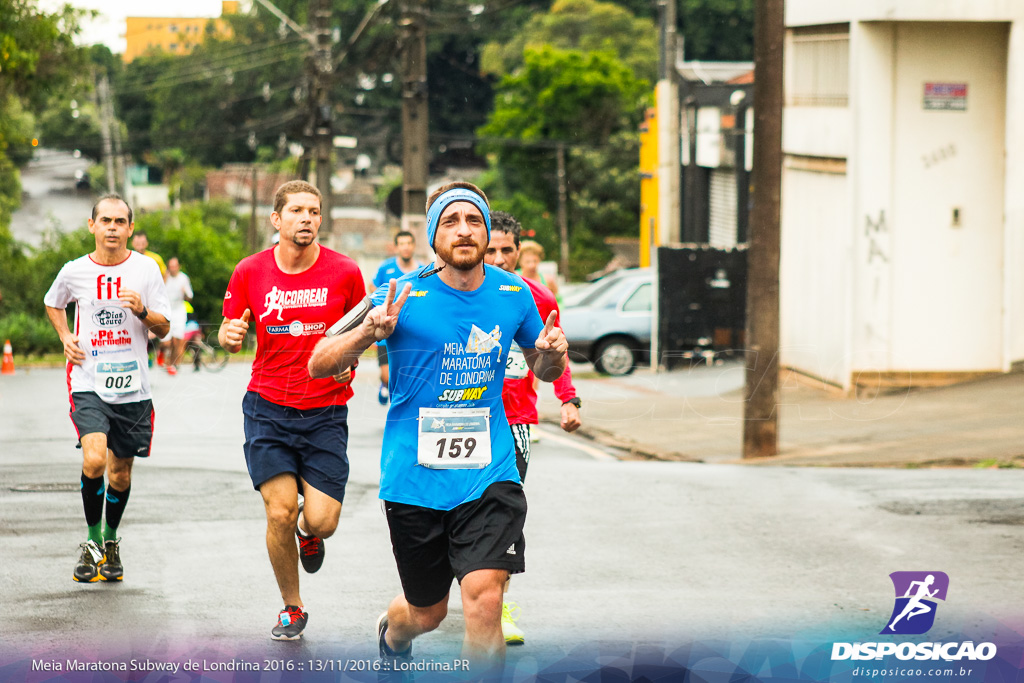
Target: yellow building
(172, 35)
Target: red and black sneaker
(290, 623)
(311, 549)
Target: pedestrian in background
(179, 290)
(394, 267)
(519, 392)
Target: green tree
(592, 102)
(717, 30)
(208, 242)
(585, 25)
(37, 57)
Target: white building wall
(1014, 232)
(816, 12)
(872, 61)
(814, 273)
(924, 295)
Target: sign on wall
(945, 96)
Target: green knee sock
(94, 533)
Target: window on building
(173, 28)
(819, 73)
(172, 47)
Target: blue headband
(457, 194)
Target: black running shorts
(128, 426)
(521, 438)
(432, 547)
(382, 354)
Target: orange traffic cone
(8, 367)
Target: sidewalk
(696, 414)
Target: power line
(190, 64)
(202, 77)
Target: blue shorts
(311, 444)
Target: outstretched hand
(381, 320)
(551, 339)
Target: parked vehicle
(608, 322)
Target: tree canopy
(585, 25)
(592, 103)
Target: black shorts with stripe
(521, 437)
(128, 426)
(432, 547)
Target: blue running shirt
(449, 350)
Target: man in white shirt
(179, 290)
(119, 298)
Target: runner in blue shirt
(394, 267)
(452, 493)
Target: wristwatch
(575, 401)
(143, 314)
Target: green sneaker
(87, 569)
(111, 569)
(513, 634)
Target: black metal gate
(702, 301)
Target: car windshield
(589, 295)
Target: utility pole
(254, 196)
(103, 93)
(563, 219)
(667, 112)
(667, 102)
(321, 114)
(761, 418)
(415, 123)
(319, 130)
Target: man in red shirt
(519, 394)
(296, 429)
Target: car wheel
(615, 357)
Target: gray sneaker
(111, 569)
(87, 569)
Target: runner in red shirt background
(519, 393)
(296, 429)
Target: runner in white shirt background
(179, 290)
(119, 297)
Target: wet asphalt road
(617, 550)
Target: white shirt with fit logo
(112, 336)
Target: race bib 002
(454, 438)
(118, 378)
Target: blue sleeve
(379, 294)
(380, 278)
(531, 325)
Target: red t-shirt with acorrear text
(290, 313)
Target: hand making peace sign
(381, 320)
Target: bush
(208, 243)
(29, 334)
(205, 238)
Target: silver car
(608, 322)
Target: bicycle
(211, 358)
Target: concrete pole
(563, 216)
(415, 123)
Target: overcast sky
(109, 27)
